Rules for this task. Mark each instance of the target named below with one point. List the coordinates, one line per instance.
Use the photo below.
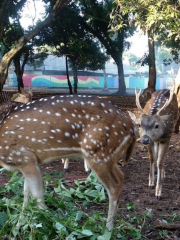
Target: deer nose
(145, 140)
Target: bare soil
(135, 188)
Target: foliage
(68, 215)
(69, 38)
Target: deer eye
(156, 126)
(139, 125)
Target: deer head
(23, 96)
(156, 115)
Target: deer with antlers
(156, 125)
(64, 127)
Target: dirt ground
(135, 188)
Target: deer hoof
(158, 198)
(151, 187)
(65, 170)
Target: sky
(29, 12)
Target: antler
(137, 100)
(169, 100)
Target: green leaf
(60, 227)
(87, 232)
(79, 215)
(3, 218)
(106, 236)
(39, 225)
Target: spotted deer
(64, 127)
(156, 125)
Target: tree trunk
(152, 65)
(19, 73)
(122, 86)
(67, 74)
(75, 75)
(6, 60)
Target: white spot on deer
(16, 116)
(87, 116)
(21, 120)
(40, 110)
(58, 130)
(19, 136)
(22, 149)
(85, 140)
(105, 111)
(33, 139)
(122, 133)
(115, 133)
(58, 114)
(35, 120)
(53, 131)
(67, 134)
(73, 127)
(59, 141)
(27, 137)
(12, 132)
(76, 135)
(28, 119)
(48, 112)
(73, 115)
(82, 103)
(67, 120)
(102, 104)
(79, 116)
(43, 122)
(92, 119)
(52, 97)
(64, 109)
(51, 137)
(107, 134)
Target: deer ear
(135, 118)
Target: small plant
(67, 216)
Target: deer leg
(112, 178)
(86, 167)
(66, 163)
(33, 183)
(152, 150)
(160, 168)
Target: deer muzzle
(145, 140)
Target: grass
(68, 216)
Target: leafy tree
(137, 12)
(11, 9)
(95, 17)
(29, 53)
(71, 40)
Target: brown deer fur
(156, 125)
(65, 126)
